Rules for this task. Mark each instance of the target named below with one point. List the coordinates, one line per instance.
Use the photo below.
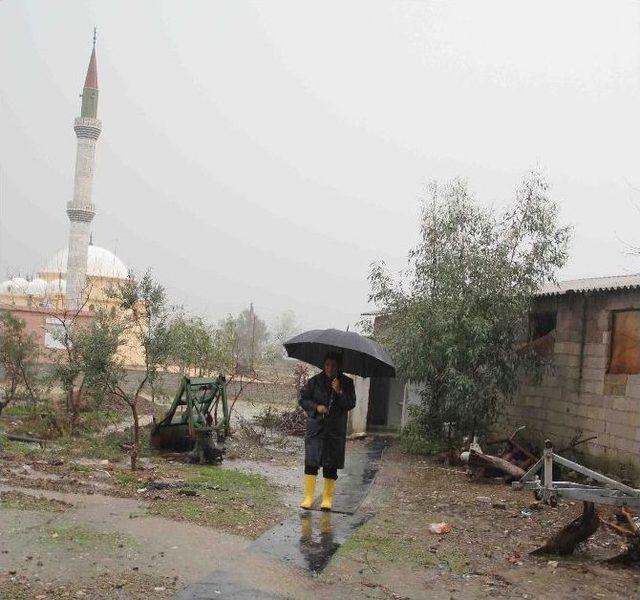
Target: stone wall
(254, 391)
(576, 396)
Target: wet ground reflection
(316, 548)
(311, 538)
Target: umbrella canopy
(360, 355)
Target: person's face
(331, 367)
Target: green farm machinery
(198, 420)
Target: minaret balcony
(87, 127)
(81, 213)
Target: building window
(624, 357)
(542, 332)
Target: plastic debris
(439, 528)
(515, 559)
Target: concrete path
(305, 542)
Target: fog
(268, 152)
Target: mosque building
(77, 277)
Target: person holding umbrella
(326, 398)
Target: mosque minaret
(79, 275)
(81, 209)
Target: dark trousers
(327, 472)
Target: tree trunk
(581, 528)
(25, 380)
(480, 461)
(75, 410)
(71, 409)
(135, 449)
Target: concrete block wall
(576, 396)
(357, 420)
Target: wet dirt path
(103, 534)
(305, 542)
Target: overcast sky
(269, 151)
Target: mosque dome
(36, 287)
(16, 285)
(100, 263)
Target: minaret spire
(81, 209)
(90, 90)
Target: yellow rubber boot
(309, 491)
(327, 494)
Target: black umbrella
(360, 355)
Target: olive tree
(455, 320)
(142, 318)
(192, 345)
(18, 357)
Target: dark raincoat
(326, 434)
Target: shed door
(378, 401)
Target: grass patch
(85, 536)
(11, 591)
(128, 479)
(454, 560)
(109, 446)
(18, 411)
(21, 449)
(384, 547)
(19, 501)
(239, 502)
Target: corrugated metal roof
(592, 284)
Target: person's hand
(335, 384)
(321, 409)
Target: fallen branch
(632, 534)
(483, 461)
(580, 529)
(16, 437)
(575, 443)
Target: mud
(108, 535)
(306, 541)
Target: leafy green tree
(192, 342)
(79, 363)
(18, 357)
(252, 336)
(67, 366)
(143, 314)
(455, 320)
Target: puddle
(309, 539)
(220, 585)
